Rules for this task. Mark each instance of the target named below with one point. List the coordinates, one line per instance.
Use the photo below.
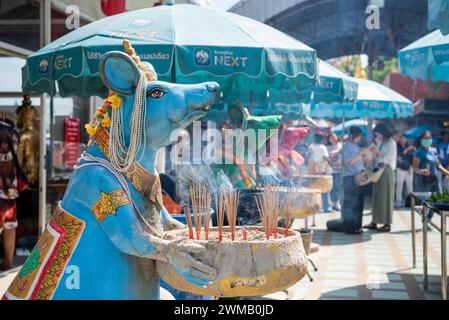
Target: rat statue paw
(172, 224)
(179, 252)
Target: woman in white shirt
(384, 150)
(319, 164)
(318, 155)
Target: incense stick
(275, 211)
(232, 199)
(220, 207)
(188, 220)
(195, 206)
(207, 208)
(288, 209)
(261, 206)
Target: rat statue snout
(213, 87)
(204, 99)
(201, 97)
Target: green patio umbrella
(288, 103)
(334, 85)
(374, 101)
(438, 15)
(185, 43)
(335, 90)
(342, 128)
(427, 58)
(334, 95)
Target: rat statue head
(150, 110)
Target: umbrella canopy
(438, 15)
(331, 110)
(427, 58)
(377, 101)
(338, 129)
(415, 132)
(287, 103)
(374, 100)
(185, 43)
(335, 94)
(288, 111)
(334, 85)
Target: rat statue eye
(156, 93)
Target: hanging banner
(72, 140)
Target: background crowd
(388, 170)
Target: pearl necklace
(122, 157)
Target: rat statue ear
(119, 72)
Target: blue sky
(11, 75)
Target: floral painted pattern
(108, 203)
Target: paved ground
(368, 266)
(6, 277)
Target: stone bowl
(245, 267)
(324, 183)
(306, 202)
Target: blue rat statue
(103, 239)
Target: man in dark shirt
(404, 169)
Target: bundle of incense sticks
(201, 204)
(231, 206)
(206, 206)
(220, 210)
(268, 205)
(288, 207)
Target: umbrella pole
(173, 67)
(251, 102)
(161, 155)
(42, 169)
(369, 129)
(45, 38)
